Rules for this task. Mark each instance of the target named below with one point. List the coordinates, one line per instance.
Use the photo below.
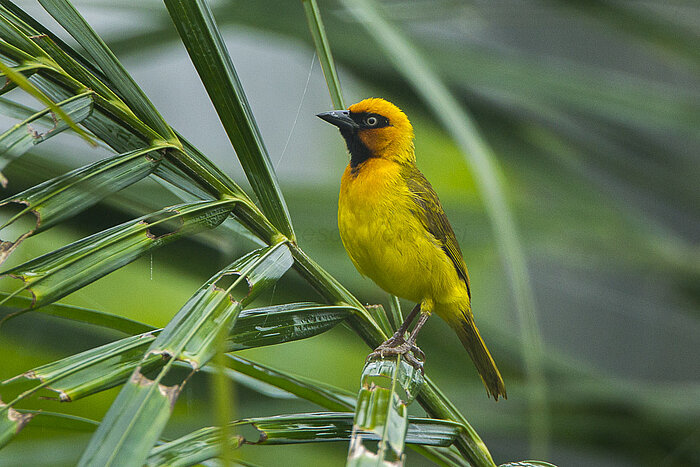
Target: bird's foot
(397, 345)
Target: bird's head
(374, 128)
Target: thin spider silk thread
(301, 102)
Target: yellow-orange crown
(392, 142)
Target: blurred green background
(593, 110)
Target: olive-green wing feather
(430, 212)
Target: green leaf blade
(195, 24)
(328, 397)
(190, 449)
(136, 418)
(56, 274)
(283, 323)
(61, 421)
(388, 387)
(17, 36)
(323, 49)
(205, 443)
(144, 406)
(39, 128)
(78, 314)
(191, 334)
(63, 197)
(23, 82)
(11, 422)
(91, 371)
(68, 17)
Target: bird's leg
(399, 336)
(411, 342)
(399, 345)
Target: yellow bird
(396, 232)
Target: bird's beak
(339, 118)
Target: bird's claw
(397, 345)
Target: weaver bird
(396, 232)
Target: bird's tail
(463, 324)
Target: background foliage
(592, 109)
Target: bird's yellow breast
(385, 239)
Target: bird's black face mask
(349, 124)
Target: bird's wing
(429, 211)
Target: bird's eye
(371, 121)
